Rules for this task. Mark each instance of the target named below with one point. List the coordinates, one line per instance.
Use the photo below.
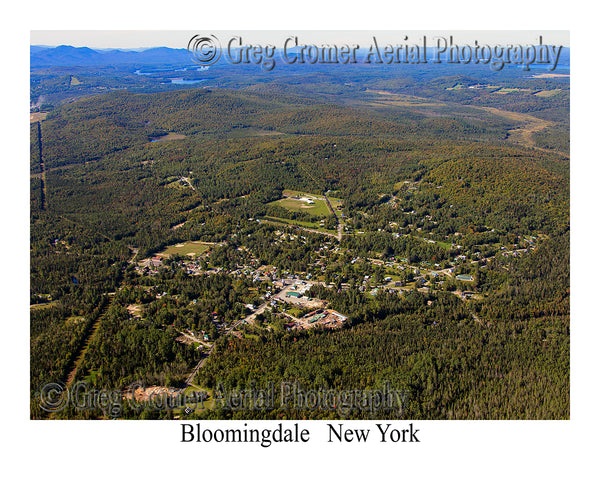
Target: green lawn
(42, 305)
(287, 221)
(188, 248)
(444, 245)
(294, 311)
(319, 208)
(393, 274)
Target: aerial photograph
(308, 225)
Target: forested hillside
(446, 247)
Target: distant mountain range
(65, 55)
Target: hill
(450, 268)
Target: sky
(179, 38)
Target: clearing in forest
(306, 202)
(191, 249)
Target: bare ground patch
(135, 310)
(37, 116)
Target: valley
(341, 233)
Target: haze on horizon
(141, 39)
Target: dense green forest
(423, 191)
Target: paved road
(334, 213)
(250, 318)
(201, 363)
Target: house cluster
(325, 318)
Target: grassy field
(287, 221)
(399, 100)
(393, 274)
(168, 137)
(294, 311)
(318, 209)
(176, 184)
(548, 93)
(506, 90)
(444, 245)
(188, 248)
(42, 305)
(460, 86)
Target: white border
(448, 449)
